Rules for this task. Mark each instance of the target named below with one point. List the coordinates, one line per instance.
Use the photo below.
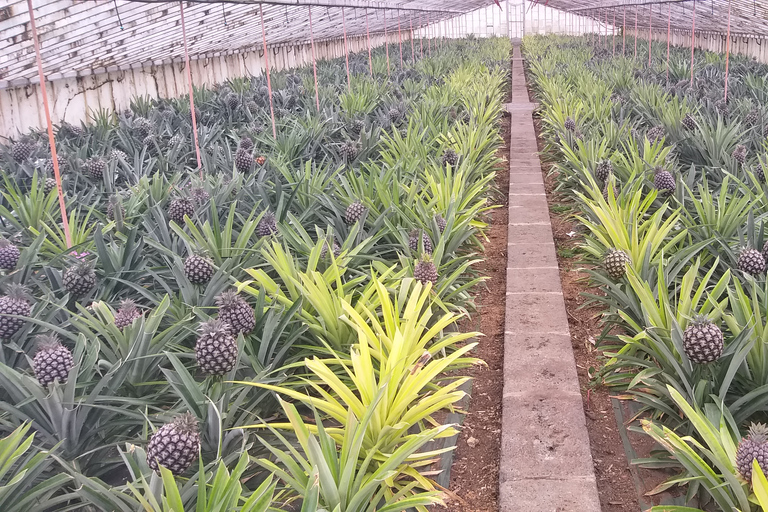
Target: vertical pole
(693, 38)
(346, 51)
(386, 42)
(650, 23)
(599, 30)
(266, 65)
(636, 10)
(368, 35)
(400, 38)
(613, 29)
(51, 140)
(429, 39)
(421, 36)
(413, 52)
(624, 32)
(189, 81)
(314, 59)
(669, 26)
(727, 50)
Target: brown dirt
(475, 470)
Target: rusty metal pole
(191, 88)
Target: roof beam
(360, 4)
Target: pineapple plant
(198, 269)
(94, 168)
(440, 221)
(425, 271)
(79, 279)
(603, 170)
(232, 101)
(216, 348)
(348, 151)
(114, 204)
(243, 160)
(751, 262)
(752, 117)
(175, 445)
(413, 241)
(655, 135)
(335, 248)
(199, 196)
(245, 143)
(267, 225)
(722, 108)
(9, 255)
(22, 150)
(14, 302)
(688, 122)
(759, 173)
(175, 141)
(179, 208)
(236, 312)
(142, 127)
(49, 185)
(358, 125)
(63, 165)
(53, 361)
(394, 115)
(753, 447)
(664, 181)
(449, 157)
(570, 124)
(117, 155)
(127, 314)
(354, 212)
(615, 263)
(703, 341)
(740, 154)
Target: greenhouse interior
(358, 256)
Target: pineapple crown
(658, 169)
(228, 298)
(5, 243)
(47, 342)
(17, 292)
(425, 258)
(214, 327)
(181, 200)
(82, 268)
(114, 199)
(758, 433)
(186, 423)
(268, 215)
(128, 306)
(701, 320)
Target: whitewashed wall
(71, 100)
(751, 46)
(508, 21)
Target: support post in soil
(613, 29)
(346, 50)
(51, 140)
(368, 35)
(636, 10)
(727, 51)
(650, 24)
(624, 32)
(386, 42)
(314, 60)
(413, 52)
(669, 27)
(400, 39)
(266, 68)
(693, 38)
(191, 95)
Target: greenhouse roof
(83, 37)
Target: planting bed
(657, 197)
(290, 323)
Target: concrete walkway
(546, 463)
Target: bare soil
(475, 471)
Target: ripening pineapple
(53, 361)
(449, 157)
(199, 196)
(753, 447)
(9, 255)
(603, 170)
(703, 341)
(358, 125)
(752, 117)
(267, 225)
(348, 151)
(655, 134)
(355, 212)
(236, 312)
(664, 181)
(740, 154)
(142, 127)
(63, 165)
(751, 262)
(615, 263)
(79, 279)
(722, 108)
(688, 122)
(243, 160)
(127, 314)
(118, 155)
(179, 208)
(22, 150)
(335, 248)
(198, 269)
(569, 124)
(232, 100)
(14, 302)
(245, 143)
(394, 115)
(759, 173)
(440, 221)
(216, 348)
(413, 241)
(49, 185)
(176, 140)
(94, 168)
(425, 271)
(115, 205)
(175, 445)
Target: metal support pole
(346, 50)
(400, 39)
(413, 52)
(613, 29)
(669, 27)
(727, 51)
(266, 66)
(624, 32)
(636, 10)
(314, 59)
(386, 43)
(650, 23)
(51, 140)
(368, 35)
(693, 38)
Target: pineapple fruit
(127, 314)
(9, 255)
(703, 341)
(236, 313)
(14, 302)
(79, 279)
(198, 269)
(615, 263)
(179, 208)
(216, 348)
(355, 212)
(267, 225)
(52, 361)
(175, 445)
(751, 262)
(425, 271)
(753, 447)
